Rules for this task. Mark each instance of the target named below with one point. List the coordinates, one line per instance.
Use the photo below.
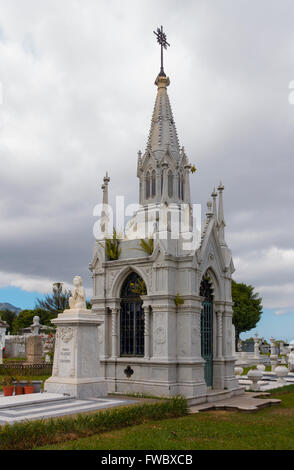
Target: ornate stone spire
(163, 133)
(104, 213)
(214, 196)
(164, 169)
(221, 219)
(209, 215)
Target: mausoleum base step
(247, 402)
(30, 399)
(216, 395)
(52, 407)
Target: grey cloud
(81, 104)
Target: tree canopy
(25, 319)
(56, 302)
(8, 316)
(247, 307)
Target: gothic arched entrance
(132, 317)
(207, 329)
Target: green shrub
(179, 300)
(30, 434)
(112, 247)
(147, 246)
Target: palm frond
(147, 246)
(112, 247)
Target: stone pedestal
(34, 349)
(291, 361)
(281, 372)
(274, 361)
(256, 347)
(255, 376)
(76, 367)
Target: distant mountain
(8, 306)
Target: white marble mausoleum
(175, 338)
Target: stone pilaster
(176, 187)
(103, 331)
(164, 330)
(187, 193)
(164, 196)
(114, 341)
(146, 332)
(143, 187)
(158, 185)
(219, 334)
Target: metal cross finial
(161, 39)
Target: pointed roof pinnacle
(106, 178)
(221, 219)
(163, 134)
(104, 188)
(209, 212)
(221, 186)
(214, 196)
(104, 214)
(209, 215)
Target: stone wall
(15, 346)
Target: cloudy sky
(77, 81)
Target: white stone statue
(78, 299)
(35, 327)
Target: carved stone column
(219, 334)
(158, 184)
(187, 194)
(146, 332)
(140, 189)
(114, 316)
(176, 187)
(143, 188)
(164, 196)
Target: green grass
(8, 360)
(30, 434)
(270, 428)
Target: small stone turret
(221, 219)
(104, 214)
